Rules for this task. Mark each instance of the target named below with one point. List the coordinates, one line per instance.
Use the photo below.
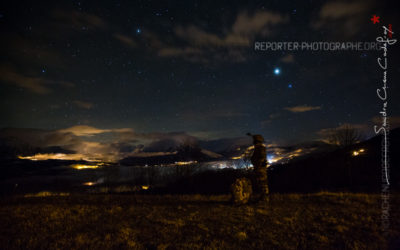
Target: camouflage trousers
(261, 180)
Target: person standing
(259, 161)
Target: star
(290, 85)
(375, 19)
(138, 31)
(277, 71)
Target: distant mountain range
(305, 167)
(30, 142)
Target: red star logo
(375, 19)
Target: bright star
(290, 86)
(138, 31)
(277, 71)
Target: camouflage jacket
(259, 157)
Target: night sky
(156, 67)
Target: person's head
(258, 139)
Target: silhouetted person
(259, 161)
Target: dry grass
(290, 221)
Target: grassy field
(289, 221)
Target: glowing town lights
(57, 156)
(271, 159)
(221, 165)
(27, 158)
(181, 163)
(81, 166)
(89, 183)
(145, 187)
(244, 154)
(358, 152)
(41, 157)
(46, 194)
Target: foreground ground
(290, 221)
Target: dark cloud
(37, 137)
(29, 54)
(302, 108)
(289, 58)
(37, 85)
(127, 40)
(203, 46)
(260, 22)
(84, 105)
(79, 20)
(343, 17)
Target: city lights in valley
(358, 152)
(82, 166)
